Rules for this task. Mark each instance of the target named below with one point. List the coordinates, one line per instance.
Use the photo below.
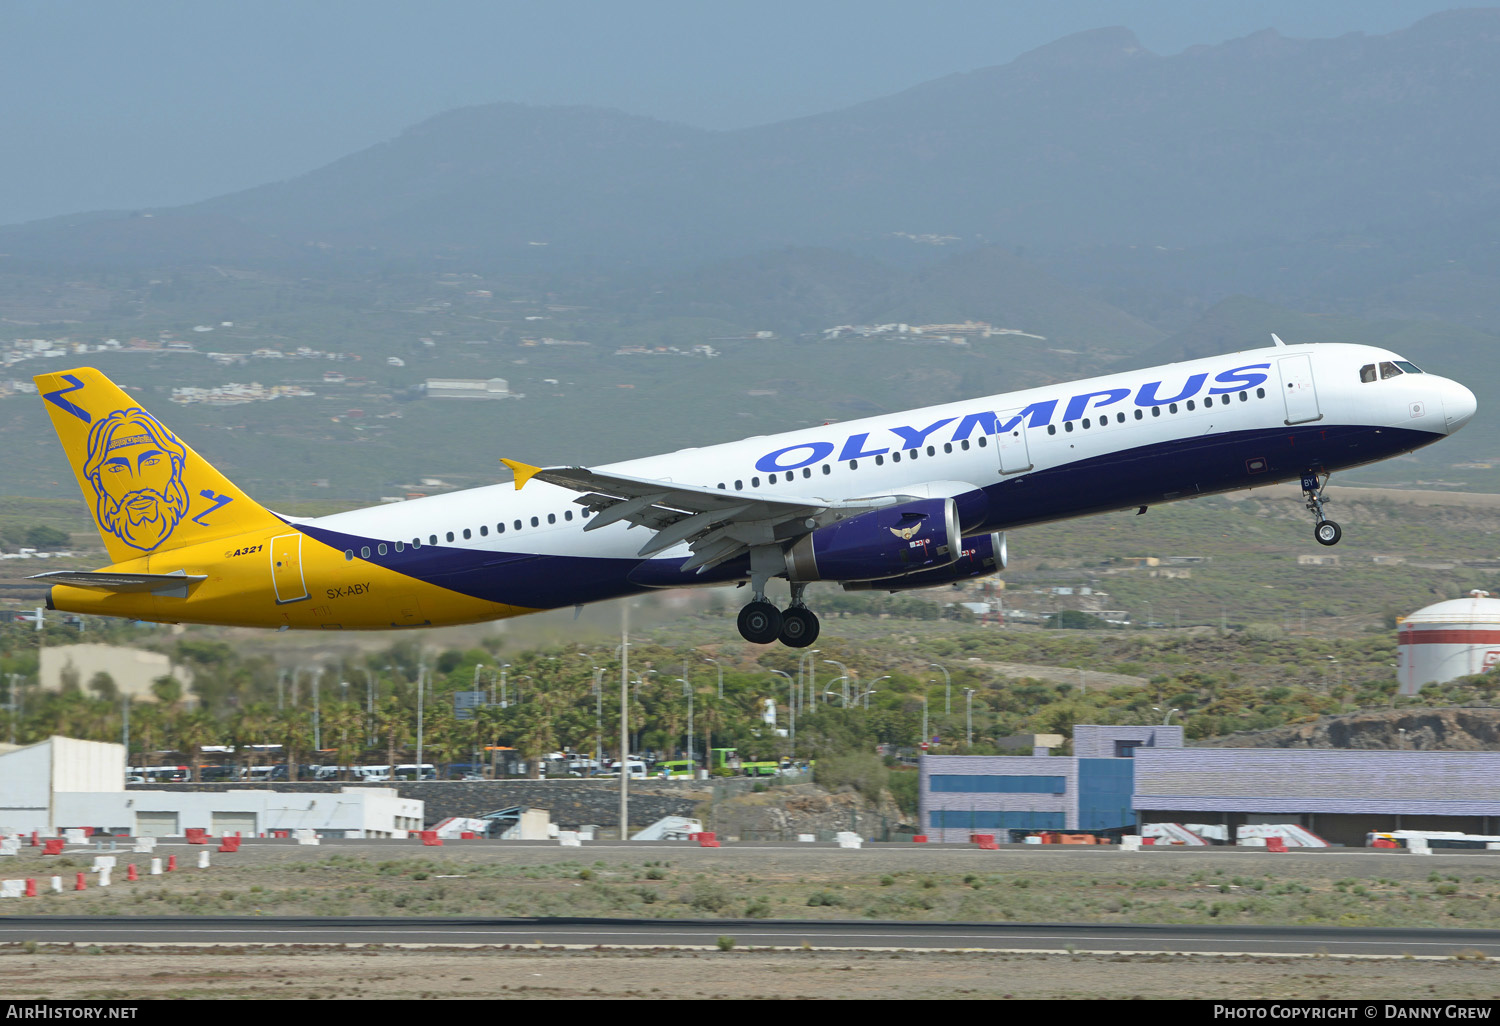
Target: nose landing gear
(1325, 531)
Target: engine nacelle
(902, 538)
(982, 556)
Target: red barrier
(1384, 842)
(230, 843)
(1275, 844)
(33, 839)
(171, 863)
(468, 835)
(31, 888)
(54, 846)
(430, 839)
(131, 874)
(984, 841)
(79, 885)
(197, 835)
(708, 839)
(919, 838)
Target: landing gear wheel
(760, 623)
(799, 627)
(1327, 532)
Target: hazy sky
(111, 104)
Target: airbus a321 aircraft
(906, 500)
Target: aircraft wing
(716, 525)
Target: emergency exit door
(286, 568)
(1015, 455)
(1299, 390)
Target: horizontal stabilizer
(124, 583)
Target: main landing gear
(761, 623)
(1324, 530)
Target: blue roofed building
(1090, 790)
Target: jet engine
(902, 538)
(982, 555)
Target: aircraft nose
(1459, 405)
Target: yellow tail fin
(148, 491)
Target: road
(1082, 937)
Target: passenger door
(1015, 454)
(1299, 389)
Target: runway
(822, 934)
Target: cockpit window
(1367, 372)
(1410, 368)
(1389, 370)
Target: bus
(1433, 839)
(674, 769)
(160, 774)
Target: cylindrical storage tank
(1447, 640)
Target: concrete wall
(133, 669)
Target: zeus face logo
(135, 468)
(906, 533)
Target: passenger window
(931, 451)
(1139, 414)
(551, 518)
(771, 479)
(721, 486)
(364, 552)
(879, 461)
(500, 527)
(1367, 373)
(806, 472)
(381, 548)
(567, 514)
(1208, 401)
(1190, 405)
(983, 441)
(948, 447)
(535, 522)
(1085, 423)
(739, 486)
(1244, 397)
(450, 535)
(827, 469)
(1051, 429)
(1156, 411)
(913, 454)
(854, 464)
(895, 457)
(400, 546)
(467, 534)
(1260, 393)
(755, 482)
(517, 525)
(416, 543)
(1173, 407)
(484, 530)
(1120, 418)
(1389, 370)
(348, 554)
(1067, 425)
(432, 540)
(965, 444)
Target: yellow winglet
(524, 471)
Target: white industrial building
(1448, 640)
(61, 783)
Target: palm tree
(194, 731)
(394, 723)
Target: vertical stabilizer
(147, 490)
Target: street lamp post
(625, 720)
(877, 680)
(720, 665)
(947, 689)
(846, 678)
(968, 717)
(598, 718)
(924, 719)
(1168, 717)
(791, 687)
